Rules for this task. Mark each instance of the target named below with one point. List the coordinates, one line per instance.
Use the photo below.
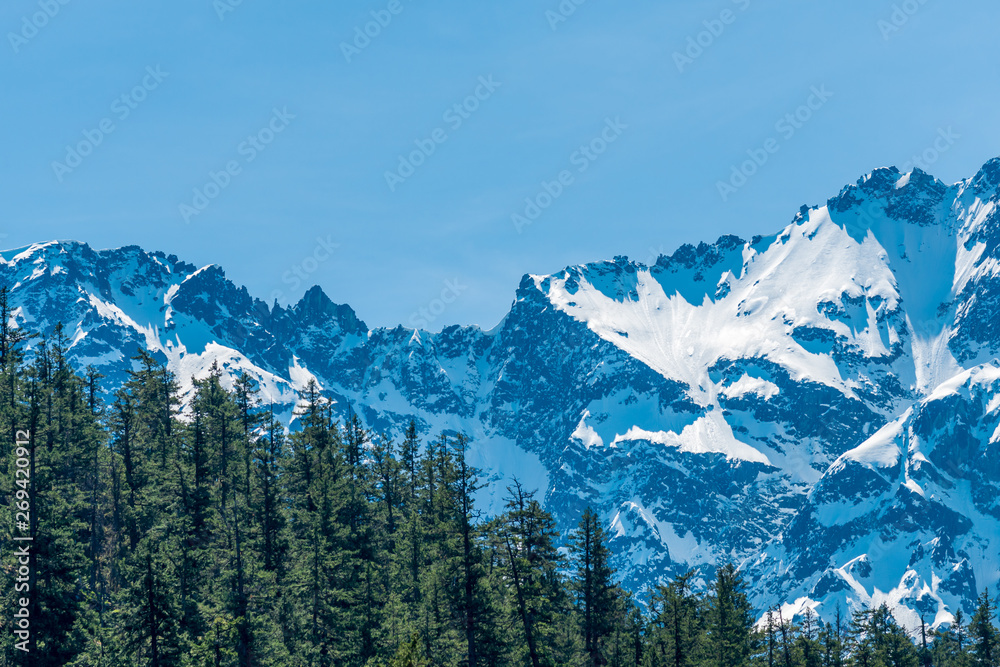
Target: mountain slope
(766, 402)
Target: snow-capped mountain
(821, 406)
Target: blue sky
(300, 132)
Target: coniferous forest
(221, 538)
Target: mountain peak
(912, 198)
(316, 308)
(46, 249)
(880, 179)
(986, 183)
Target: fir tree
(593, 586)
(983, 635)
(676, 625)
(533, 562)
(730, 622)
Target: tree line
(225, 538)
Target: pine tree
(150, 617)
(983, 636)
(404, 568)
(833, 641)
(770, 638)
(729, 620)
(808, 642)
(878, 641)
(676, 625)
(12, 365)
(270, 461)
(899, 651)
(475, 612)
(961, 638)
(441, 556)
(241, 525)
(785, 631)
(317, 535)
(950, 646)
(626, 643)
(528, 536)
(593, 586)
(925, 652)
(410, 655)
(359, 517)
(147, 511)
(862, 643)
(65, 435)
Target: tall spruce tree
(809, 642)
(594, 586)
(729, 621)
(676, 624)
(533, 562)
(983, 636)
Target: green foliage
(594, 587)
(222, 537)
(730, 624)
(985, 641)
(676, 625)
(410, 655)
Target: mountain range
(820, 406)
